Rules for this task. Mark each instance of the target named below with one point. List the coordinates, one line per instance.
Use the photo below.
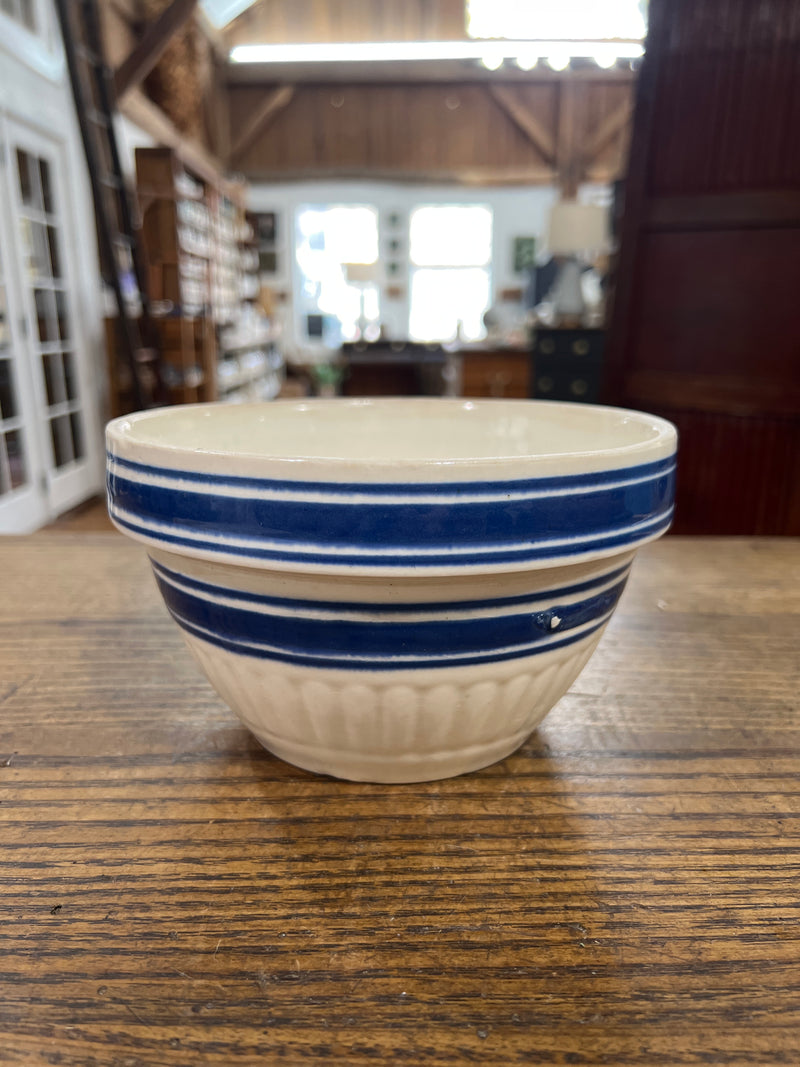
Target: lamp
(361, 275)
(577, 231)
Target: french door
(49, 434)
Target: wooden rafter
(611, 126)
(147, 52)
(525, 122)
(273, 104)
(567, 163)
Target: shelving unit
(201, 254)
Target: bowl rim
(123, 442)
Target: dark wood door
(705, 327)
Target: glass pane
(77, 434)
(28, 12)
(16, 458)
(34, 246)
(451, 235)
(70, 376)
(441, 299)
(62, 315)
(3, 317)
(52, 378)
(46, 323)
(25, 171)
(52, 243)
(47, 195)
(8, 400)
(61, 438)
(5, 478)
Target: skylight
(220, 12)
(578, 20)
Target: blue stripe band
(495, 556)
(386, 645)
(386, 609)
(554, 482)
(293, 528)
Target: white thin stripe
(449, 614)
(348, 658)
(332, 551)
(161, 481)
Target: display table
(622, 890)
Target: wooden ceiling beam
(147, 52)
(526, 123)
(273, 104)
(611, 126)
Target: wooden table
(623, 890)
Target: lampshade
(361, 273)
(577, 227)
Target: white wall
(518, 212)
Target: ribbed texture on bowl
(391, 691)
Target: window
(46, 281)
(450, 250)
(21, 11)
(337, 257)
(567, 20)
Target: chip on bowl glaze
(391, 590)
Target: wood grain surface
(622, 890)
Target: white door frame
(36, 106)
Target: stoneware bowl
(391, 590)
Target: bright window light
(568, 19)
(450, 247)
(327, 238)
(451, 235)
(442, 298)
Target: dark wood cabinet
(706, 321)
(568, 364)
(500, 372)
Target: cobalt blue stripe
(392, 526)
(288, 555)
(302, 659)
(567, 481)
(384, 609)
(302, 635)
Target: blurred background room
(233, 200)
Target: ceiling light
(526, 60)
(605, 57)
(491, 54)
(558, 61)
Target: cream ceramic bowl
(391, 590)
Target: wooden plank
(525, 121)
(272, 106)
(621, 890)
(567, 162)
(608, 130)
(477, 176)
(157, 35)
(150, 118)
(747, 210)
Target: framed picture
(268, 227)
(268, 261)
(524, 254)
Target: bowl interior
(401, 432)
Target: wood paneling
(302, 21)
(450, 131)
(621, 891)
(706, 324)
